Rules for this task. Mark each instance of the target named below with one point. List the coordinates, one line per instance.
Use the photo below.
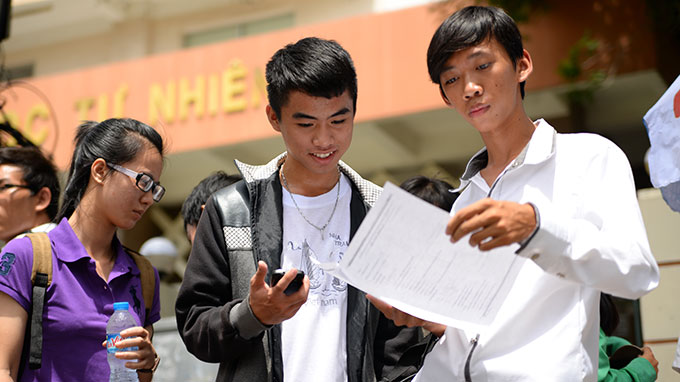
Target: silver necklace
(335, 206)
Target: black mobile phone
(294, 285)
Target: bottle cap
(120, 306)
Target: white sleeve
(601, 242)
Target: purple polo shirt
(79, 304)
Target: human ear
(44, 197)
(524, 67)
(98, 170)
(273, 118)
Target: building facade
(195, 71)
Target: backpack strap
(41, 278)
(147, 276)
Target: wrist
(537, 219)
(156, 361)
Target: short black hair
(432, 190)
(191, 208)
(470, 27)
(38, 171)
(314, 66)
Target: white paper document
(401, 255)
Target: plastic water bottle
(120, 320)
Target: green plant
(580, 66)
(520, 10)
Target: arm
(214, 326)
(13, 319)
(204, 301)
(604, 243)
(642, 369)
(592, 235)
(16, 262)
(391, 342)
(404, 319)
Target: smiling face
(482, 84)
(317, 132)
(122, 202)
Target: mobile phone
(294, 285)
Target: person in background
(193, 205)
(432, 190)
(113, 180)
(440, 194)
(641, 369)
(29, 192)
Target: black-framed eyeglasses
(7, 186)
(143, 181)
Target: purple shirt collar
(64, 234)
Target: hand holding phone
(294, 285)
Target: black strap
(36, 342)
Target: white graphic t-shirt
(314, 340)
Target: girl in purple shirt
(113, 179)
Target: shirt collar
(541, 146)
(68, 248)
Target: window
(238, 30)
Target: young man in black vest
(299, 211)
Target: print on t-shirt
(323, 287)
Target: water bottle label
(112, 340)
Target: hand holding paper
(402, 256)
(404, 319)
(493, 223)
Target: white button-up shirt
(591, 238)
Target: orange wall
(215, 95)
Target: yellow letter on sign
(233, 87)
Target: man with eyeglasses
(29, 192)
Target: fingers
(257, 280)
(285, 280)
(144, 355)
(271, 305)
(303, 292)
(462, 222)
(492, 223)
(136, 331)
(436, 329)
(649, 356)
(400, 318)
(380, 304)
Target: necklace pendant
(322, 232)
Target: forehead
(489, 47)
(318, 107)
(148, 160)
(10, 172)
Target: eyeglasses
(7, 186)
(143, 181)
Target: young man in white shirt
(567, 202)
(296, 212)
